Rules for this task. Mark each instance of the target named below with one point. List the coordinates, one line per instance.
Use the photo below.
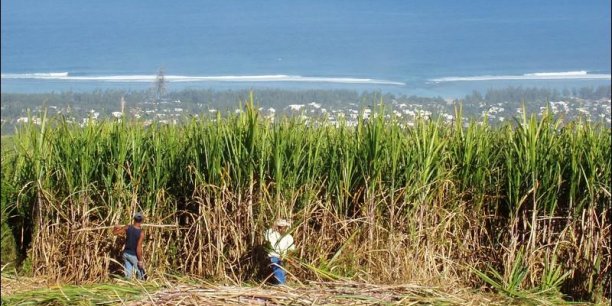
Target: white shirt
(280, 244)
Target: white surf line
(181, 78)
(569, 75)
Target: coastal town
(173, 111)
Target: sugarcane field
(243, 209)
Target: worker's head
(282, 225)
(138, 217)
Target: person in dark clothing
(132, 252)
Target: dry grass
(316, 293)
(12, 284)
(31, 291)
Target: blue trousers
(130, 265)
(277, 270)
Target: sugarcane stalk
(112, 226)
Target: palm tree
(160, 86)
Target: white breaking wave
(558, 74)
(181, 78)
(567, 75)
(41, 75)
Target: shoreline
(446, 89)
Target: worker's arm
(292, 244)
(139, 249)
(120, 230)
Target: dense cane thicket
(523, 208)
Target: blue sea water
(445, 48)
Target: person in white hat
(279, 244)
(132, 252)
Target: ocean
(426, 48)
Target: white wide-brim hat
(282, 222)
